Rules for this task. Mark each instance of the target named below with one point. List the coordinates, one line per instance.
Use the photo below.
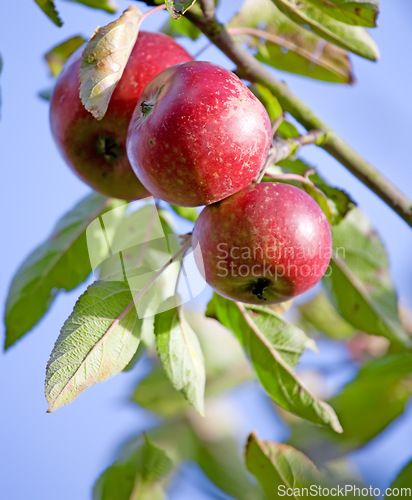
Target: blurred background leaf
(277, 465)
(359, 281)
(355, 12)
(365, 406)
(352, 38)
(139, 474)
(60, 263)
(283, 44)
(106, 5)
(48, 7)
(404, 479)
(58, 55)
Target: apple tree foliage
(112, 324)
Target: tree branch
(251, 69)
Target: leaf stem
(251, 69)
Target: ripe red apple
(266, 244)
(198, 135)
(96, 150)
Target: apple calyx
(147, 106)
(109, 147)
(258, 287)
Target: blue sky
(61, 455)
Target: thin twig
(200, 51)
(278, 40)
(289, 177)
(151, 11)
(277, 123)
(282, 149)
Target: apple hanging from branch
(266, 244)
(96, 150)
(198, 135)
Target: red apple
(266, 244)
(96, 150)
(198, 135)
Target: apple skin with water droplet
(266, 244)
(96, 150)
(198, 135)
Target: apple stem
(150, 12)
(282, 149)
(146, 108)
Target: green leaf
(177, 8)
(46, 94)
(278, 465)
(137, 475)
(189, 213)
(286, 130)
(340, 203)
(62, 262)
(221, 461)
(283, 44)
(320, 314)
(58, 55)
(357, 12)
(97, 341)
(104, 60)
(225, 363)
(359, 280)
(106, 5)
(376, 396)
(147, 341)
(353, 38)
(366, 406)
(47, 6)
(181, 355)
(155, 393)
(274, 348)
(404, 479)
